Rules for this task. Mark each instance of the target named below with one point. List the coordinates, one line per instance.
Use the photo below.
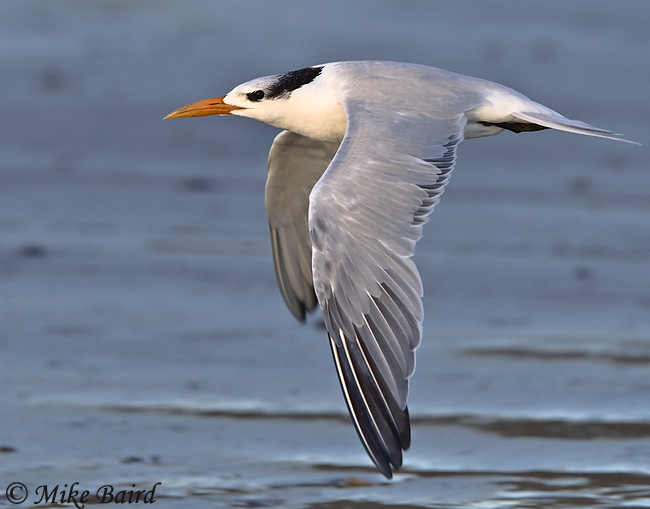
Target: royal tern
(365, 153)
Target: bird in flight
(365, 152)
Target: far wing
(295, 164)
(366, 215)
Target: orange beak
(214, 106)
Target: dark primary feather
(371, 405)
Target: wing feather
(295, 164)
(366, 214)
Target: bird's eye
(258, 95)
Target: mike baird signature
(17, 493)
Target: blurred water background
(142, 337)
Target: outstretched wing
(295, 164)
(366, 215)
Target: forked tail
(554, 120)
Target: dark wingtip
(383, 448)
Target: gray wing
(366, 215)
(295, 164)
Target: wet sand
(142, 335)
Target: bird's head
(300, 101)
